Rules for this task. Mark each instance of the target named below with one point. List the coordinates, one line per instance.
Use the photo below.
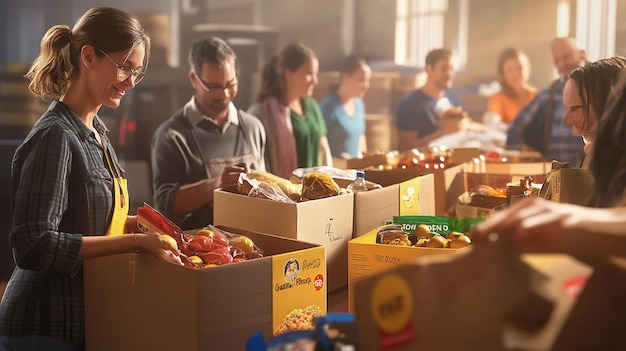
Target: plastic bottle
(358, 184)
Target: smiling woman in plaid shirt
(69, 198)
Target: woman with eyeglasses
(296, 131)
(69, 197)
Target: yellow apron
(120, 201)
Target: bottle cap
(360, 174)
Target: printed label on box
(298, 283)
(392, 309)
(409, 197)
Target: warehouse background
(393, 35)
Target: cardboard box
(360, 163)
(325, 222)
(565, 279)
(138, 302)
(464, 208)
(497, 181)
(569, 185)
(462, 301)
(367, 258)
(413, 196)
(522, 168)
(449, 183)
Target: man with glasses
(206, 144)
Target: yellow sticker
(299, 281)
(409, 197)
(392, 303)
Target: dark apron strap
(547, 130)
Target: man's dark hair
(212, 50)
(436, 55)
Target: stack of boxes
(331, 241)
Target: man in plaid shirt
(528, 128)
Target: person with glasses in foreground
(207, 143)
(592, 233)
(69, 197)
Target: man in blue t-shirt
(419, 115)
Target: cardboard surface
(327, 222)
(138, 302)
(360, 163)
(521, 168)
(449, 183)
(569, 185)
(412, 196)
(565, 279)
(464, 209)
(367, 258)
(441, 302)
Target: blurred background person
(69, 196)
(418, 116)
(207, 143)
(296, 131)
(515, 92)
(540, 225)
(344, 110)
(585, 94)
(540, 126)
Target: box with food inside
(136, 301)
(414, 195)
(446, 165)
(324, 221)
(521, 168)
(495, 299)
(448, 182)
(375, 251)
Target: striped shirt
(528, 128)
(62, 189)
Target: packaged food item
(318, 185)
(332, 332)
(206, 247)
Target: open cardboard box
(448, 183)
(474, 300)
(465, 209)
(568, 185)
(412, 196)
(138, 302)
(367, 258)
(325, 222)
(360, 162)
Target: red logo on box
(574, 286)
(318, 283)
(390, 341)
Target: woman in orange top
(515, 92)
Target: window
(419, 29)
(596, 27)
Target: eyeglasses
(124, 73)
(215, 87)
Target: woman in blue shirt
(344, 110)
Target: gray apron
(214, 166)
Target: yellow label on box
(299, 287)
(409, 197)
